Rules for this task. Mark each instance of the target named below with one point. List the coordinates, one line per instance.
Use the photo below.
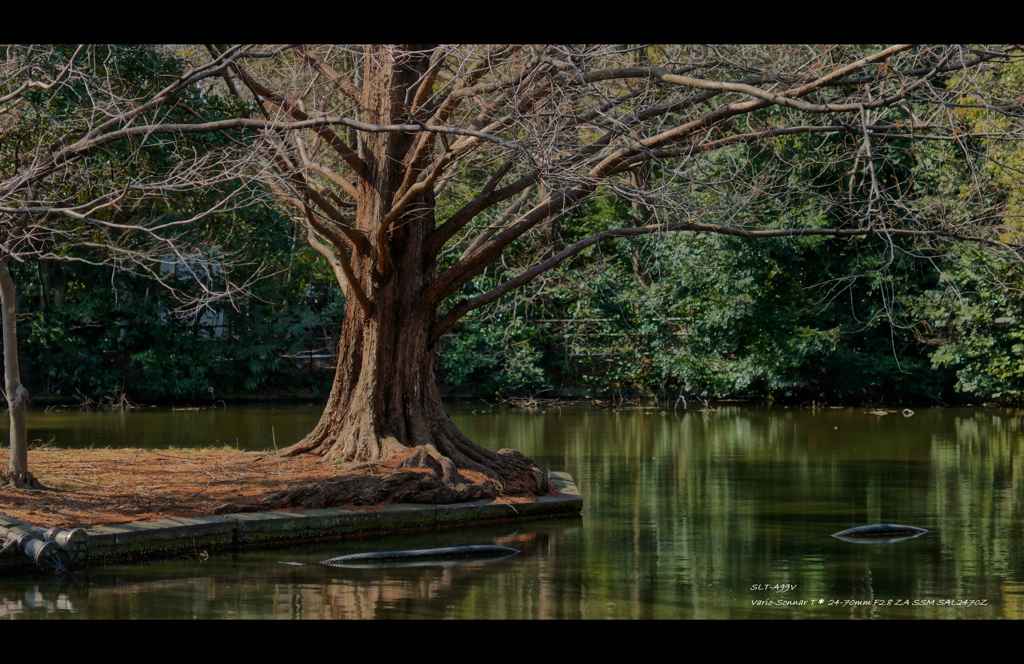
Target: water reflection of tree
(682, 514)
(484, 589)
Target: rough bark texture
(385, 404)
(16, 394)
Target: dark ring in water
(879, 533)
(415, 555)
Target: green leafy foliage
(93, 333)
(976, 319)
(672, 316)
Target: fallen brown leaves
(106, 486)
(98, 486)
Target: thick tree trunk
(16, 394)
(385, 404)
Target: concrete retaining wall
(179, 536)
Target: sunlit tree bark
(15, 393)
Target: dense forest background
(673, 317)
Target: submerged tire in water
(879, 533)
(422, 556)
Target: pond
(720, 514)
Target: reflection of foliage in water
(683, 513)
(688, 511)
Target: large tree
(413, 168)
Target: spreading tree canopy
(414, 168)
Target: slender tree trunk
(385, 403)
(16, 394)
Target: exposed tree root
(385, 411)
(417, 475)
(24, 480)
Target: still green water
(723, 514)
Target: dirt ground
(106, 486)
